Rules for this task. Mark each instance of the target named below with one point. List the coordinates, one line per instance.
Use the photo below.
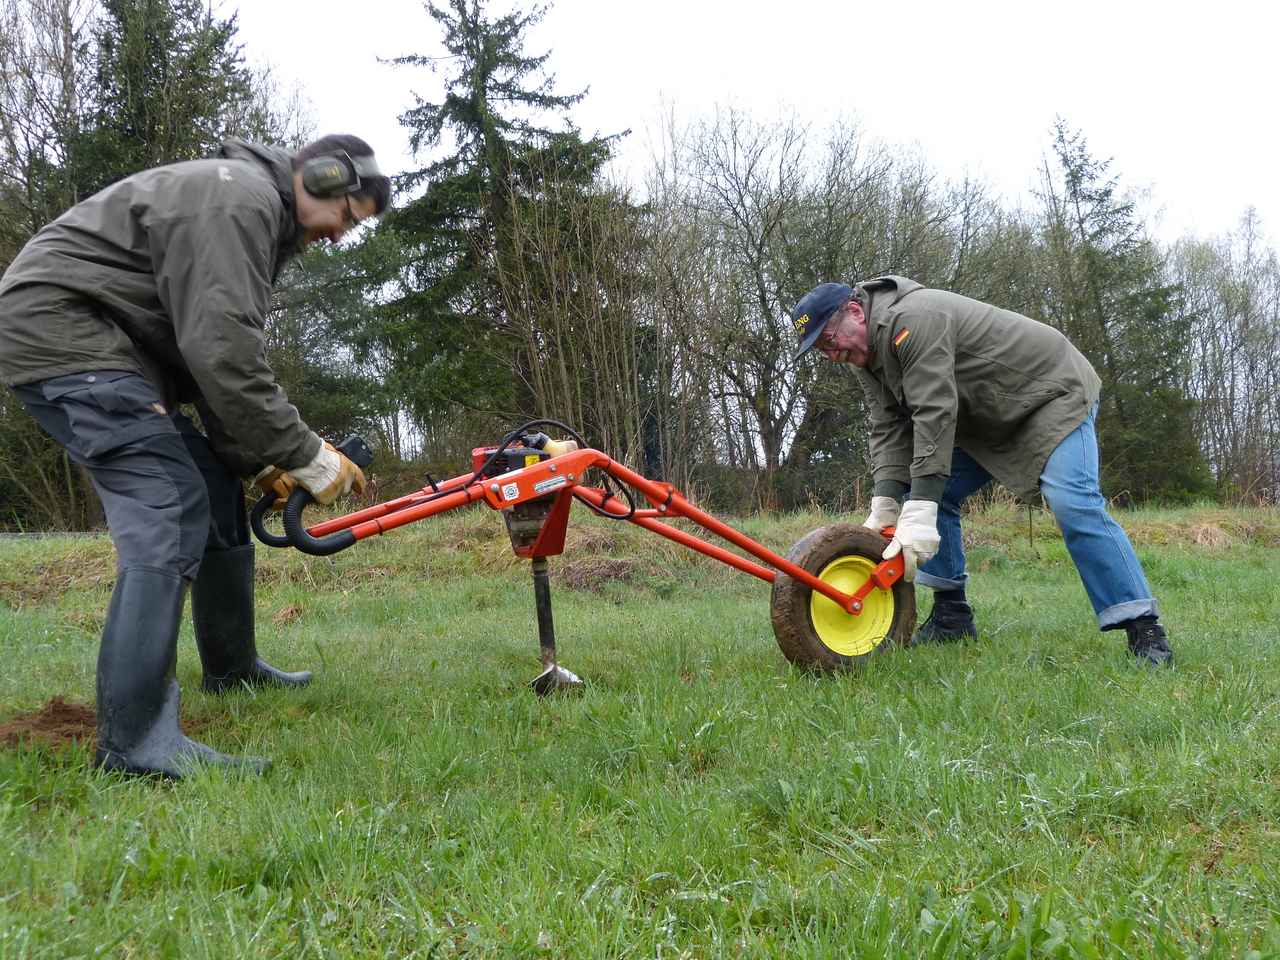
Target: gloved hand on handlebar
(329, 476)
(916, 537)
(884, 513)
(274, 480)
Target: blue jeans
(1110, 570)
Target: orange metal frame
(562, 476)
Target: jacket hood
(888, 289)
(277, 160)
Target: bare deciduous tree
(1231, 286)
(45, 69)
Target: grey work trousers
(166, 495)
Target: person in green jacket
(961, 393)
(150, 294)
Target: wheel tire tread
(789, 605)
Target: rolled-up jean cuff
(1113, 617)
(938, 583)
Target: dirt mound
(1210, 535)
(592, 573)
(56, 724)
(79, 567)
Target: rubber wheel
(813, 631)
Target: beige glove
(916, 537)
(274, 480)
(884, 513)
(329, 476)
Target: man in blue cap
(962, 393)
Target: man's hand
(884, 513)
(329, 476)
(916, 537)
(274, 480)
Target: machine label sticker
(510, 491)
(546, 486)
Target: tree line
(515, 279)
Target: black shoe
(222, 613)
(1148, 642)
(137, 695)
(948, 620)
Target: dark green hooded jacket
(944, 371)
(170, 272)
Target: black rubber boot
(1148, 642)
(138, 694)
(222, 613)
(948, 620)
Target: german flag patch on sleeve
(901, 336)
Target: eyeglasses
(349, 222)
(831, 329)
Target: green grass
(1031, 795)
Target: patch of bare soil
(58, 723)
(61, 723)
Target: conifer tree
(1106, 291)
(469, 261)
(168, 77)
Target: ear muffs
(337, 174)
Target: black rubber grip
(258, 521)
(297, 533)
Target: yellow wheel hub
(844, 633)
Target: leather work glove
(329, 476)
(916, 537)
(884, 513)
(274, 480)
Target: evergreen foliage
(168, 76)
(453, 329)
(1108, 293)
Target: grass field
(1035, 794)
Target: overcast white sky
(1182, 97)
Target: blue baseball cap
(815, 309)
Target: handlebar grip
(297, 533)
(258, 521)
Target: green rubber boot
(222, 613)
(137, 692)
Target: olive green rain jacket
(169, 273)
(944, 371)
